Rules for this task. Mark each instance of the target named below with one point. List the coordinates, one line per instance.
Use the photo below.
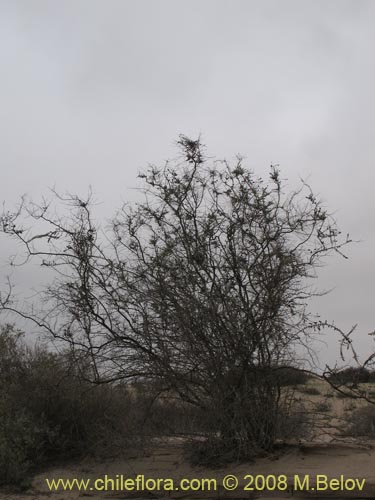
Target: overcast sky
(91, 91)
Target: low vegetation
(362, 423)
(48, 411)
(352, 375)
(310, 390)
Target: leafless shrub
(203, 287)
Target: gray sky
(91, 91)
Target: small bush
(323, 407)
(362, 423)
(351, 376)
(20, 444)
(311, 391)
(294, 422)
(48, 411)
(20, 436)
(290, 376)
(212, 451)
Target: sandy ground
(167, 461)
